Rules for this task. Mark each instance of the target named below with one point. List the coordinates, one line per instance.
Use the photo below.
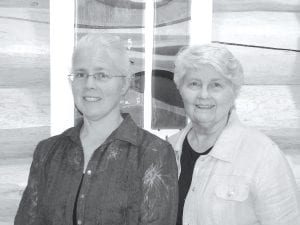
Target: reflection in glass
(171, 32)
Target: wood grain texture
(267, 66)
(261, 28)
(24, 71)
(20, 143)
(40, 4)
(35, 15)
(94, 13)
(270, 106)
(25, 95)
(13, 179)
(17, 146)
(24, 107)
(174, 10)
(256, 5)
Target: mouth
(207, 107)
(91, 99)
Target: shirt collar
(127, 131)
(226, 146)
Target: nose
(90, 82)
(203, 92)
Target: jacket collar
(127, 131)
(226, 146)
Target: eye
(194, 84)
(79, 75)
(216, 85)
(102, 76)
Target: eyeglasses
(97, 76)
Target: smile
(205, 106)
(92, 99)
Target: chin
(93, 115)
(204, 121)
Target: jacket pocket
(232, 191)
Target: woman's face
(207, 96)
(96, 99)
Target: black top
(187, 161)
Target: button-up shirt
(244, 180)
(130, 179)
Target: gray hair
(111, 46)
(219, 57)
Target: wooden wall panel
(271, 108)
(261, 28)
(175, 10)
(255, 5)
(25, 95)
(26, 14)
(268, 66)
(96, 14)
(41, 4)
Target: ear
(125, 85)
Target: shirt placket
(86, 183)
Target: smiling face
(96, 99)
(207, 96)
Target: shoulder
(48, 145)
(173, 138)
(154, 149)
(259, 147)
(157, 157)
(177, 138)
(258, 139)
(150, 141)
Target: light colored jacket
(244, 180)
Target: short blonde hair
(219, 57)
(112, 46)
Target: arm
(277, 200)
(27, 211)
(159, 203)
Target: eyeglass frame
(86, 75)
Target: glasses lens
(71, 77)
(102, 76)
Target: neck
(101, 128)
(202, 137)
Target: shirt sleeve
(160, 188)
(28, 207)
(277, 198)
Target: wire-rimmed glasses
(100, 76)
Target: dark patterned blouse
(130, 179)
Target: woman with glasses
(105, 170)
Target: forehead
(89, 58)
(204, 73)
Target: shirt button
(82, 196)
(193, 189)
(79, 222)
(89, 172)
